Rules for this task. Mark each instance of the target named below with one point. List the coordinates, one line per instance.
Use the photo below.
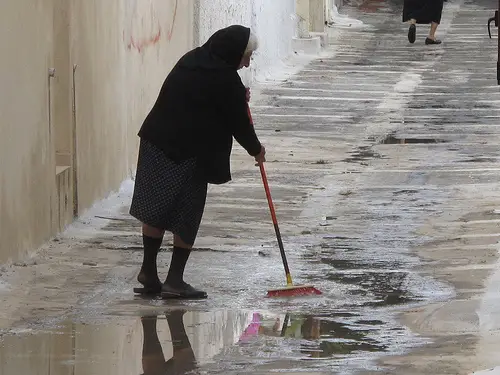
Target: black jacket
(202, 106)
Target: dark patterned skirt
(168, 195)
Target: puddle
(362, 154)
(319, 336)
(179, 342)
(374, 285)
(393, 140)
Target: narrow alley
(383, 162)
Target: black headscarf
(224, 50)
(202, 106)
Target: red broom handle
(268, 193)
(273, 215)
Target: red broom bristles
(294, 291)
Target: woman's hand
(261, 157)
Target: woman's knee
(150, 231)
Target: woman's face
(245, 61)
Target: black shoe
(412, 33)
(151, 284)
(184, 291)
(432, 41)
(148, 291)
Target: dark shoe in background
(412, 33)
(432, 41)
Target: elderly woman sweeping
(186, 143)
(423, 12)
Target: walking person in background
(186, 143)
(423, 12)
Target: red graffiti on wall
(143, 38)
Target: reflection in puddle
(319, 337)
(183, 359)
(178, 342)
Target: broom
(289, 290)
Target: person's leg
(180, 256)
(436, 12)
(431, 39)
(174, 285)
(432, 31)
(411, 11)
(152, 239)
(147, 206)
(189, 210)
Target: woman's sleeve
(239, 121)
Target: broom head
(294, 291)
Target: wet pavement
(383, 164)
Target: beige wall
(317, 15)
(123, 56)
(26, 156)
(314, 13)
(122, 50)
